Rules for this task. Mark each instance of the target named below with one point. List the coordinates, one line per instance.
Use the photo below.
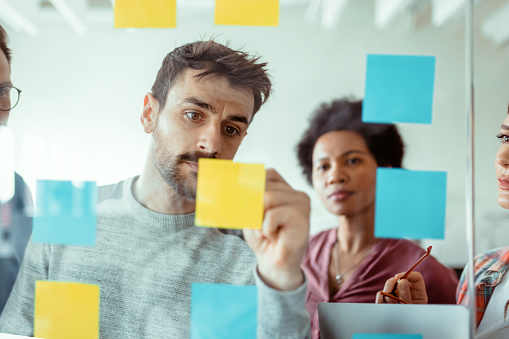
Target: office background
(78, 117)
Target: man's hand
(411, 290)
(281, 243)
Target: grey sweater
(144, 263)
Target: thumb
(253, 238)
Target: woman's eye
(193, 115)
(503, 138)
(323, 167)
(231, 130)
(353, 161)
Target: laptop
(342, 320)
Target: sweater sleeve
(282, 314)
(18, 314)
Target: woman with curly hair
(339, 155)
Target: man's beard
(169, 168)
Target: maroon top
(387, 258)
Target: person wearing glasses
(491, 276)
(339, 156)
(15, 219)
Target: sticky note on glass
(65, 213)
(229, 195)
(145, 14)
(66, 310)
(399, 88)
(223, 311)
(247, 12)
(410, 204)
(386, 336)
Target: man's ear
(245, 135)
(149, 115)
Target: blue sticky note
(65, 213)
(399, 88)
(385, 336)
(223, 311)
(410, 204)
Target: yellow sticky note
(229, 195)
(247, 12)
(66, 310)
(145, 13)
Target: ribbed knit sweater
(144, 263)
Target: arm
(18, 314)
(279, 247)
(411, 290)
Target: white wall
(86, 93)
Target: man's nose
(210, 139)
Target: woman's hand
(412, 290)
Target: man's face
(5, 80)
(202, 118)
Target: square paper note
(410, 204)
(145, 14)
(66, 310)
(229, 195)
(399, 88)
(223, 311)
(65, 212)
(247, 12)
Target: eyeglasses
(393, 295)
(9, 97)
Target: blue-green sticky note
(385, 336)
(399, 88)
(410, 204)
(65, 213)
(223, 311)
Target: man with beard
(148, 251)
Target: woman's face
(502, 165)
(344, 173)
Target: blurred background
(83, 85)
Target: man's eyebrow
(6, 83)
(504, 127)
(238, 118)
(199, 103)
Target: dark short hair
(239, 68)
(3, 44)
(382, 140)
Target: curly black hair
(382, 140)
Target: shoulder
(22, 195)
(402, 247)
(112, 191)
(494, 254)
(496, 260)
